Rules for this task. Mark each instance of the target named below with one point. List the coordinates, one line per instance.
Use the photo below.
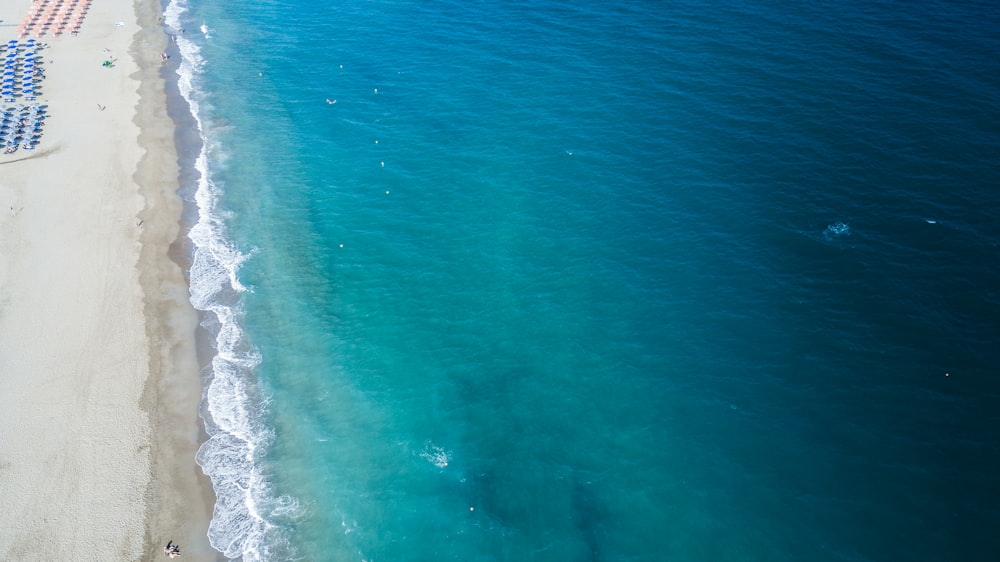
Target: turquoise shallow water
(558, 281)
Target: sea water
(543, 280)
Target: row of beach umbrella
(55, 17)
(19, 79)
(21, 126)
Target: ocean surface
(598, 281)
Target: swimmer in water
(330, 101)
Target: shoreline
(102, 381)
(180, 494)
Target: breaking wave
(232, 405)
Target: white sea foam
(243, 520)
(435, 455)
(837, 230)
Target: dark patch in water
(588, 517)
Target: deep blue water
(599, 281)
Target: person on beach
(172, 551)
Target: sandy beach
(99, 380)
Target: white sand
(98, 377)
